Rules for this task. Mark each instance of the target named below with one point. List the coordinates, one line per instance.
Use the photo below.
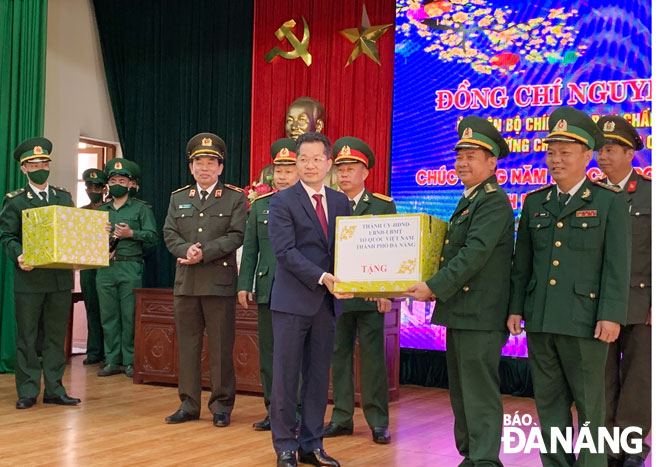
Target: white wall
(77, 100)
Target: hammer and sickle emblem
(299, 47)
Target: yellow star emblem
(365, 38)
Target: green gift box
(382, 256)
(62, 237)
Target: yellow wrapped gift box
(382, 256)
(63, 237)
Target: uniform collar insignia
(218, 193)
(473, 195)
(29, 195)
(366, 197)
(52, 190)
(632, 186)
(191, 194)
(547, 197)
(466, 211)
(586, 194)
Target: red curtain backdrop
(357, 98)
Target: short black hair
(314, 137)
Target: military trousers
(93, 311)
(567, 370)
(193, 314)
(115, 285)
(265, 335)
(52, 310)
(473, 359)
(628, 383)
(369, 326)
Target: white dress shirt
(622, 183)
(38, 190)
(209, 190)
(573, 190)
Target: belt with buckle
(137, 258)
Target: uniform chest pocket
(133, 222)
(540, 231)
(183, 216)
(458, 229)
(640, 217)
(262, 223)
(586, 233)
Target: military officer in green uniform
(570, 281)
(258, 257)
(40, 294)
(133, 224)
(353, 158)
(95, 181)
(471, 289)
(204, 226)
(628, 366)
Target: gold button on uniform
(465, 288)
(553, 282)
(642, 285)
(224, 263)
(560, 224)
(446, 241)
(592, 295)
(584, 225)
(555, 263)
(266, 221)
(637, 213)
(442, 258)
(557, 243)
(220, 214)
(200, 229)
(201, 214)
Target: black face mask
(95, 197)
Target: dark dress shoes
(633, 461)
(263, 425)
(92, 361)
(287, 459)
(381, 435)
(25, 402)
(221, 419)
(317, 457)
(62, 400)
(109, 370)
(332, 429)
(181, 416)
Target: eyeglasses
(316, 160)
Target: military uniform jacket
(369, 204)
(638, 194)
(472, 284)
(257, 252)
(572, 262)
(39, 280)
(218, 225)
(140, 218)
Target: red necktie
(320, 213)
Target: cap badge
(118, 165)
(284, 152)
(345, 151)
(561, 125)
(467, 133)
(38, 150)
(609, 126)
(207, 142)
(93, 175)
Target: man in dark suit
(41, 295)
(301, 227)
(203, 228)
(628, 366)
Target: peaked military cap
(283, 151)
(479, 133)
(348, 150)
(618, 130)
(95, 177)
(206, 144)
(117, 166)
(34, 150)
(134, 169)
(570, 125)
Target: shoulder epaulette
(645, 177)
(543, 188)
(489, 188)
(15, 193)
(270, 193)
(142, 201)
(383, 197)
(181, 189)
(60, 188)
(235, 188)
(615, 189)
